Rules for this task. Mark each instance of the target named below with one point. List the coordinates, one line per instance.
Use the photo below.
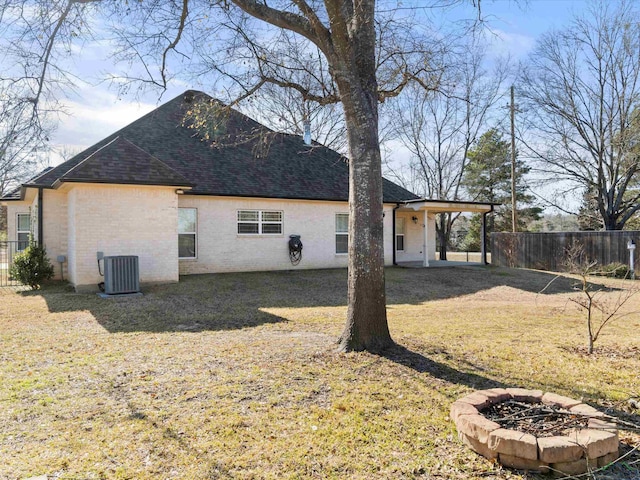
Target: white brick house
(185, 206)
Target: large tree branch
(172, 46)
(50, 44)
(306, 94)
(310, 28)
(323, 34)
(267, 70)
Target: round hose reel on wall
(295, 249)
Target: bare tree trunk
(610, 223)
(366, 327)
(354, 71)
(589, 313)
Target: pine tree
(488, 179)
(589, 217)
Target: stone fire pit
(588, 442)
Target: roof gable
(120, 161)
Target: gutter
(40, 216)
(393, 231)
(454, 202)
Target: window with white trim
(23, 230)
(400, 234)
(187, 232)
(342, 232)
(259, 222)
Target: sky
(95, 110)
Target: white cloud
(95, 113)
(89, 121)
(516, 45)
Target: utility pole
(512, 108)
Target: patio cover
(427, 206)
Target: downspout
(393, 231)
(40, 215)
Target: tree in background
(439, 127)
(3, 223)
(288, 110)
(487, 178)
(555, 222)
(633, 223)
(23, 141)
(589, 218)
(23, 138)
(582, 92)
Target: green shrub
(32, 266)
(614, 270)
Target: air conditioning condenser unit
(121, 274)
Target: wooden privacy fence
(547, 251)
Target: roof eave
(451, 205)
(59, 183)
(451, 201)
(276, 197)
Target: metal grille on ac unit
(121, 274)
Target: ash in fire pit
(532, 430)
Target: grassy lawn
(237, 376)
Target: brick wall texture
(83, 219)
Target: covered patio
(415, 231)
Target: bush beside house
(32, 266)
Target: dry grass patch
(236, 375)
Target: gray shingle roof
(16, 193)
(249, 160)
(13, 194)
(122, 160)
